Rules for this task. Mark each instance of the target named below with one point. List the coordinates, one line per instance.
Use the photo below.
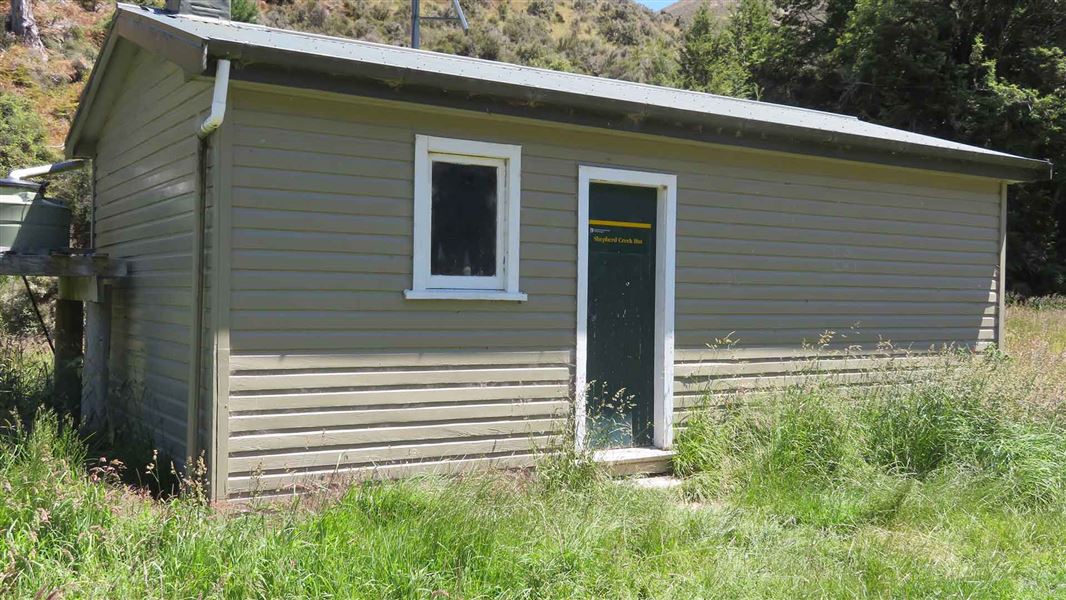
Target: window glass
(463, 238)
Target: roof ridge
(519, 90)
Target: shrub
(25, 380)
(914, 426)
(619, 23)
(1052, 302)
(541, 8)
(18, 320)
(244, 11)
(23, 138)
(74, 189)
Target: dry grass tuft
(1036, 342)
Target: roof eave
(71, 146)
(188, 51)
(719, 129)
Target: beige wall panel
(379, 416)
(145, 192)
(289, 462)
(270, 362)
(773, 250)
(289, 482)
(241, 444)
(320, 380)
(395, 397)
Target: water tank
(30, 223)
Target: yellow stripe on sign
(629, 224)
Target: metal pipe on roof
(416, 37)
(416, 20)
(459, 14)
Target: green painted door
(621, 315)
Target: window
(466, 220)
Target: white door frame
(666, 233)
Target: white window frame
(508, 160)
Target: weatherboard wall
(334, 372)
(145, 187)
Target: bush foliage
(22, 134)
(25, 380)
(991, 74)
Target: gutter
(291, 68)
(209, 125)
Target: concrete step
(623, 462)
(653, 482)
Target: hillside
(72, 34)
(684, 9)
(611, 38)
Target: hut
(346, 257)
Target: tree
(991, 74)
(720, 57)
(24, 25)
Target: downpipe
(219, 100)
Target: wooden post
(95, 374)
(79, 281)
(68, 339)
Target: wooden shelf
(62, 265)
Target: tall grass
(945, 483)
(503, 536)
(476, 537)
(961, 416)
(25, 378)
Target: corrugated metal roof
(242, 40)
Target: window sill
(490, 295)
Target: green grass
(490, 537)
(948, 485)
